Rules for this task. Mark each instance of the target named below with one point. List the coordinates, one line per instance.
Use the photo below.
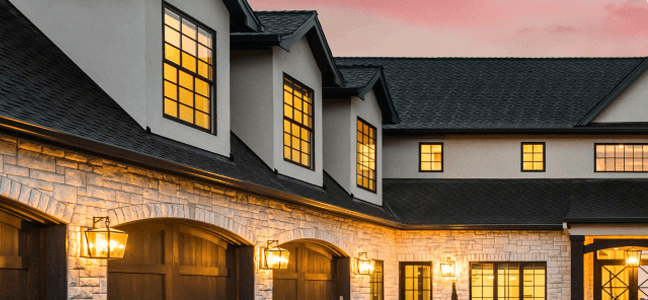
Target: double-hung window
(298, 123)
(508, 281)
(431, 157)
(188, 71)
(366, 156)
(533, 157)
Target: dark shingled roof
(358, 77)
(496, 93)
(40, 85)
(516, 201)
(284, 22)
(478, 201)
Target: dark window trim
(616, 144)
(382, 281)
(544, 156)
(312, 130)
(375, 190)
(420, 157)
(401, 278)
(213, 113)
(495, 287)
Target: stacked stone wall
(73, 187)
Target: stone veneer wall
(74, 187)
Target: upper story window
(533, 157)
(431, 157)
(508, 281)
(366, 156)
(621, 157)
(188, 70)
(298, 123)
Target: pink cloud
(479, 27)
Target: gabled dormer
(353, 119)
(277, 80)
(166, 63)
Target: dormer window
(366, 157)
(298, 123)
(188, 71)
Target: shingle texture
(497, 93)
(515, 201)
(358, 76)
(280, 22)
(41, 86)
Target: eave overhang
(242, 17)
(621, 129)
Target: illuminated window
(188, 71)
(431, 157)
(533, 157)
(507, 281)
(366, 156)
(416, 281)
(621, 157)
(377, 289)
(298, 123)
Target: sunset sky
(484, 28)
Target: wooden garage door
(311, 274)
(21, 266)
(171, 261)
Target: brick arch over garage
(336, 244)
(134, 213)
(48, 207)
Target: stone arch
(133, 213)
(49, 206)
(316, 235)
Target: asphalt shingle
(496, 93)
(358, 76)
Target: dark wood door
(311, 274)
(21, 259)
(171, 261)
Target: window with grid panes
(505, 281)
(376, 279)
(298, 123)
(621, 157)
(188, 70)
(366, 156)
(416, 280)
(533, 157)
(431, 157)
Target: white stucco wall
(119, 45)
(630, 106)
(499, 156)
(338, 150)
(299, 64)
(252, 101)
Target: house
(211, 133)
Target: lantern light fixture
(364, 265)
(448, 269)
(274, 257)
(105, 243)
(633, 257)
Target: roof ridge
(479, 58)
(285, 11)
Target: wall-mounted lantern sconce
(363, 264)
(448, 269)
(105, 243)
(273, 257)
(633, 258)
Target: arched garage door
(315, 272)
(173, 260)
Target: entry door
(171, 261)
(614, 281)
(311, 274)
